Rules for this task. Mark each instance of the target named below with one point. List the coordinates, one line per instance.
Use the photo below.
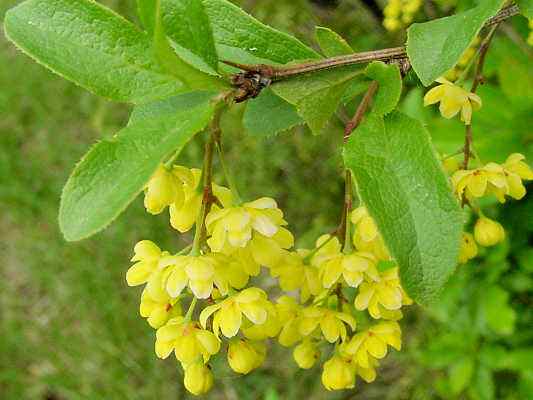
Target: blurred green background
(69, 325)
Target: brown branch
(478, 79)
(277, 73)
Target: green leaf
(240, 37)
(187, 24)
(91, 46)
(390, 86)
(269, 114)
(496, 311)
(403, 186)
(526, 7)
(413, 105)
(331, 43)
(521, 359)
(195, 76)
(146, 9)
(482, 387)
(434, 47)
(317, 96)
(460, 374)
(114, 171)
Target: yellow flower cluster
(327, 276)
(240, 238)
(400, 13)
(492, 179)
(339, 291)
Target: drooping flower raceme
(453, 99)
(237, 241)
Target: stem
(478, 79)
(389, 54)
(188, 316)
(343, 232)
(172, 158)
(207, 177)
(309, 256)
(184, 250)
(227, 173)
(347, 248)
(361, 109)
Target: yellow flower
(147, 256)
(268, 251)
(288, 310)
(306, 354)
(391, 24)
(481, 181)
(252, 302)
(488, 232)
(188, 341)
(198, 378)
(270, 328)
(382, 296)
(183, 215)
(450, 165)
(331, 322)
(294, 274)
(159, 309)
(197, 272)
(353, 268)
(366, 237)
(468, 249)
(244, 355)
(338, 374)
(516, 170)
(453, 99)
(163, 189)
(373, 343)
(234, 227)
(230, 272)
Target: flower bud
(450, 164)
(338, 374)
(244, 356)
(162, 190)
(468, 249)
(488, 232)
(198, 378)
(306, 354)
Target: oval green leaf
(402, 184)
(115, 171)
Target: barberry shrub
(402, 229)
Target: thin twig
(478, 79)
(361, 109)
(207, 177)
(343, 232)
